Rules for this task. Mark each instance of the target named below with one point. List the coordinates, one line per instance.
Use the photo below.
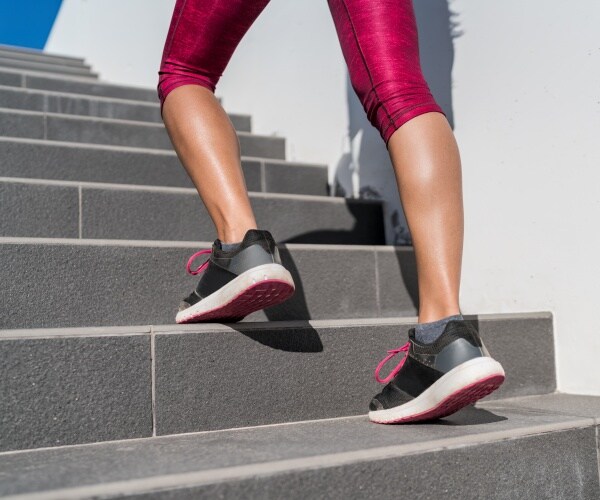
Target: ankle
(431, 314)
(234, 235)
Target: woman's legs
(446, 366)
(244, 272)
(208, 147)
(380, 45)
(428, 173)
(201, 40)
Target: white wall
(527, 115)
(520, 82)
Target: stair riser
(51, 211)
(75, 85)
(39, 160)
(97, 386)
(108, 132)
(147, 283)
(527, 467)
(45, 67)
(89, 106)
(25, 55)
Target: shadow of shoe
(471, 415)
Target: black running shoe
(435, 380)
(237, 283)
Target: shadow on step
(295, 308)
(304, 338)
(367, 227)
(472, 416)
(349, 285)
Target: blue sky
(27, 23)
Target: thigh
(204, 34)
(381, 48)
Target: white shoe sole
(460, 387)
(259, 287)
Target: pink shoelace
(390, 355)
(201, 267)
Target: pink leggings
(378, 39)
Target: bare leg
(207, 145)
(428, 172)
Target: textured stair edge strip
(189, 244)
(175, 329)
(156, 484)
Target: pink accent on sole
(258, 296)
(456, 401)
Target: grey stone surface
(79, 86)
(20, 99)
(20, 53)
(480, 451)
(39, 211)
(281, 373)
(102, 131)
(135, 285)
(331, 282)
(10, 79)
(14, 124)
(30, 65)
(535, 351)
(90, 106)
(262, 146)
(524, 468)
(139, 214)
(39, 100)
(242, 377)
(304, 179)
(144, 135)
(397, 281)
(50, 160)
(58, 391)
(566, 404)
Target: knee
(171, 77)
(391, 104)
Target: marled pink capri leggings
(378, 39)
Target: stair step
(54, 160)
(492, 450)
(69, 386)
(43, 67)
(91, 106)
(53, 209)
(74, 85)
(72, 282)
(10, 52)
(59, 127)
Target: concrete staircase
(102, 396)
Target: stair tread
(28, 52)
(91, 97)
(133, 149)
(180, 190)
(154, 464)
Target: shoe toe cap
(375, 405)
